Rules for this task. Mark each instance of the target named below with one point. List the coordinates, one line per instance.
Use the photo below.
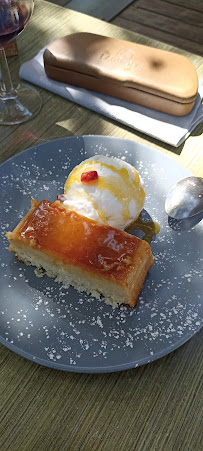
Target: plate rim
(97, 369)
(35, 146)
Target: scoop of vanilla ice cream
(115, 198)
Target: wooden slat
(161, 35)
(163, 23)
(169, 10)
(178, 23)
(195, 5)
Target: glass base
(21, 107)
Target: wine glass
(19, 104)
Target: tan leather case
(144, 75)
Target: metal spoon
(185, 199)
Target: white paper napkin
(164, 127)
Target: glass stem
(7, 85)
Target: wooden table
(176, 22)
(154, 407)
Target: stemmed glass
(19, 104)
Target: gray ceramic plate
(60, 328)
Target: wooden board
(167, 22)
(178, 13)
(195, 5)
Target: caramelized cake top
(77, 240)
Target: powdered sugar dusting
(60, 327)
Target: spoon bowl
(185, 198)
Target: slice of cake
(79, 251)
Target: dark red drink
(13, 18)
